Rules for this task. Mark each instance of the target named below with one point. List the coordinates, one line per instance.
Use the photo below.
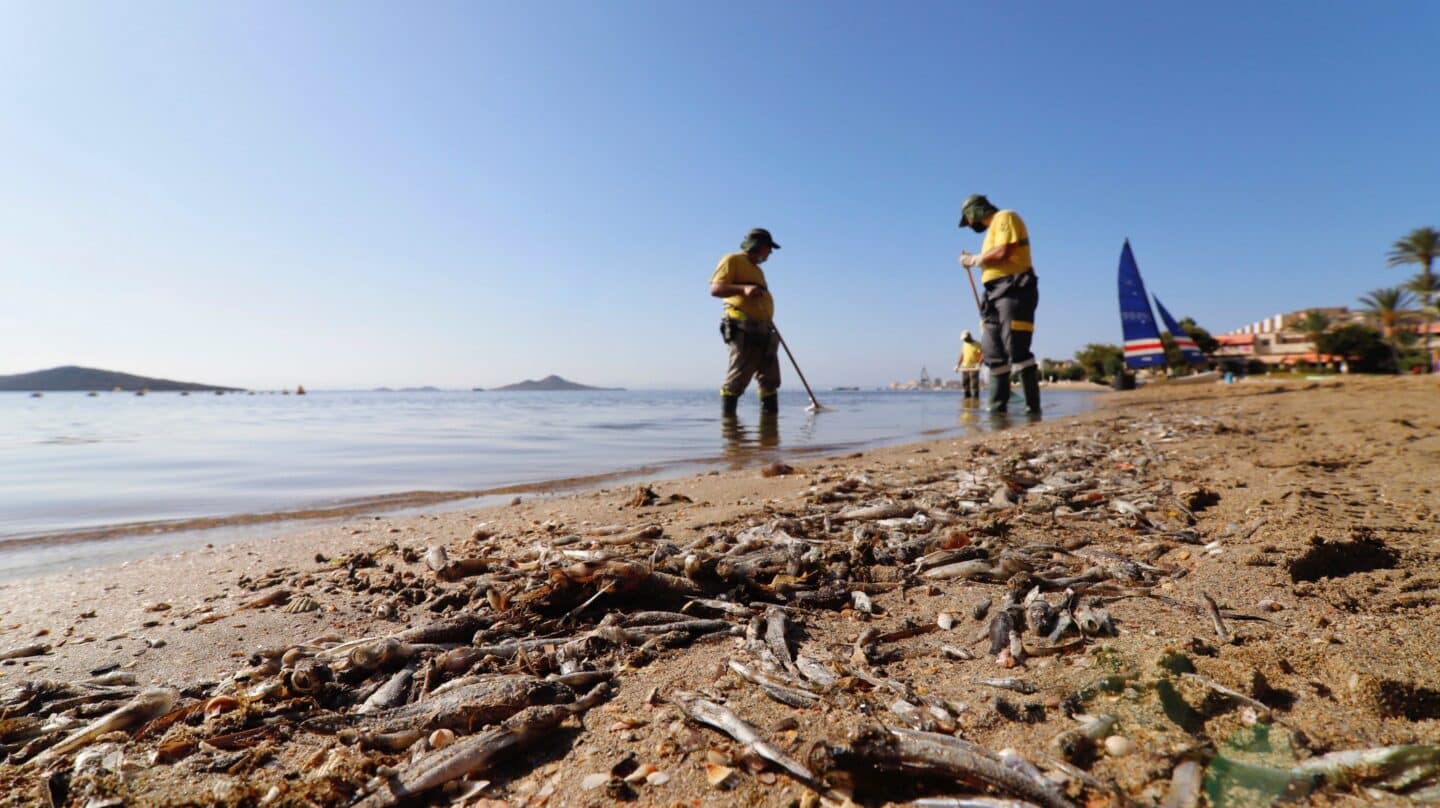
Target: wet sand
(1322, 498)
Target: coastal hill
(552, 382)
(72, 378)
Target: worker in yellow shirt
(1012, 293)
(747, 325)
(968, 365)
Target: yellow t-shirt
(1006, 228)
(969, 355)
(739, 269)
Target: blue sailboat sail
(1143, 348)
(1188, 349)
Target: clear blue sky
(353, 194)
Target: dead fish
(928, 753)
(1185, 784)
(781, 691)
(815, 672)
(391, 693)
(1041, 616)
(1063, 623)
(1016, 685)
(1001, 626)
(1093, 620)
(961, 570)
(871, 512)
(460, 628)
(470, 755)
(956, 652)
(271, 598)
(34, 649)
(707, 712)
(149, 704)
(775, 639)
(487, 701)
(1213, 612)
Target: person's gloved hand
(969, 261)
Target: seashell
(1270, 605)
(304, 603)
(436, 558)
(594, 780)
(441, 738)
(219, 705)
(499, 601)
(643, 771)
(720, 776)
(1119, 746)
(945, 621)
(657, 778)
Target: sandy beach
(1308, 512)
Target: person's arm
(732, 289)
(996, 254)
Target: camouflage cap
(758, 237)
(974, 208)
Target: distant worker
(968, 365)
(1011, 294)
(747, 324)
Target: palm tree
(1389, 307)
(1421, 246)
(1312, 325)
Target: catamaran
(1143, 348)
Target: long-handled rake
(815, 405)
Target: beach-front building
(1279, 340)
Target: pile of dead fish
(504, 648)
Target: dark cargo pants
(754, 347)
(970, 382)
(1008, 315)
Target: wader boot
(1030, 381)
(999, 392)
(770, 402)
(729, 405)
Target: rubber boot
(999, 392)
(1030, 382)
(769, 403)
(729, 405)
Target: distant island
(77, 379)
(552, 382)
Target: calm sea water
(71, 463)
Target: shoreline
(198, 530)
(1276, 467)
